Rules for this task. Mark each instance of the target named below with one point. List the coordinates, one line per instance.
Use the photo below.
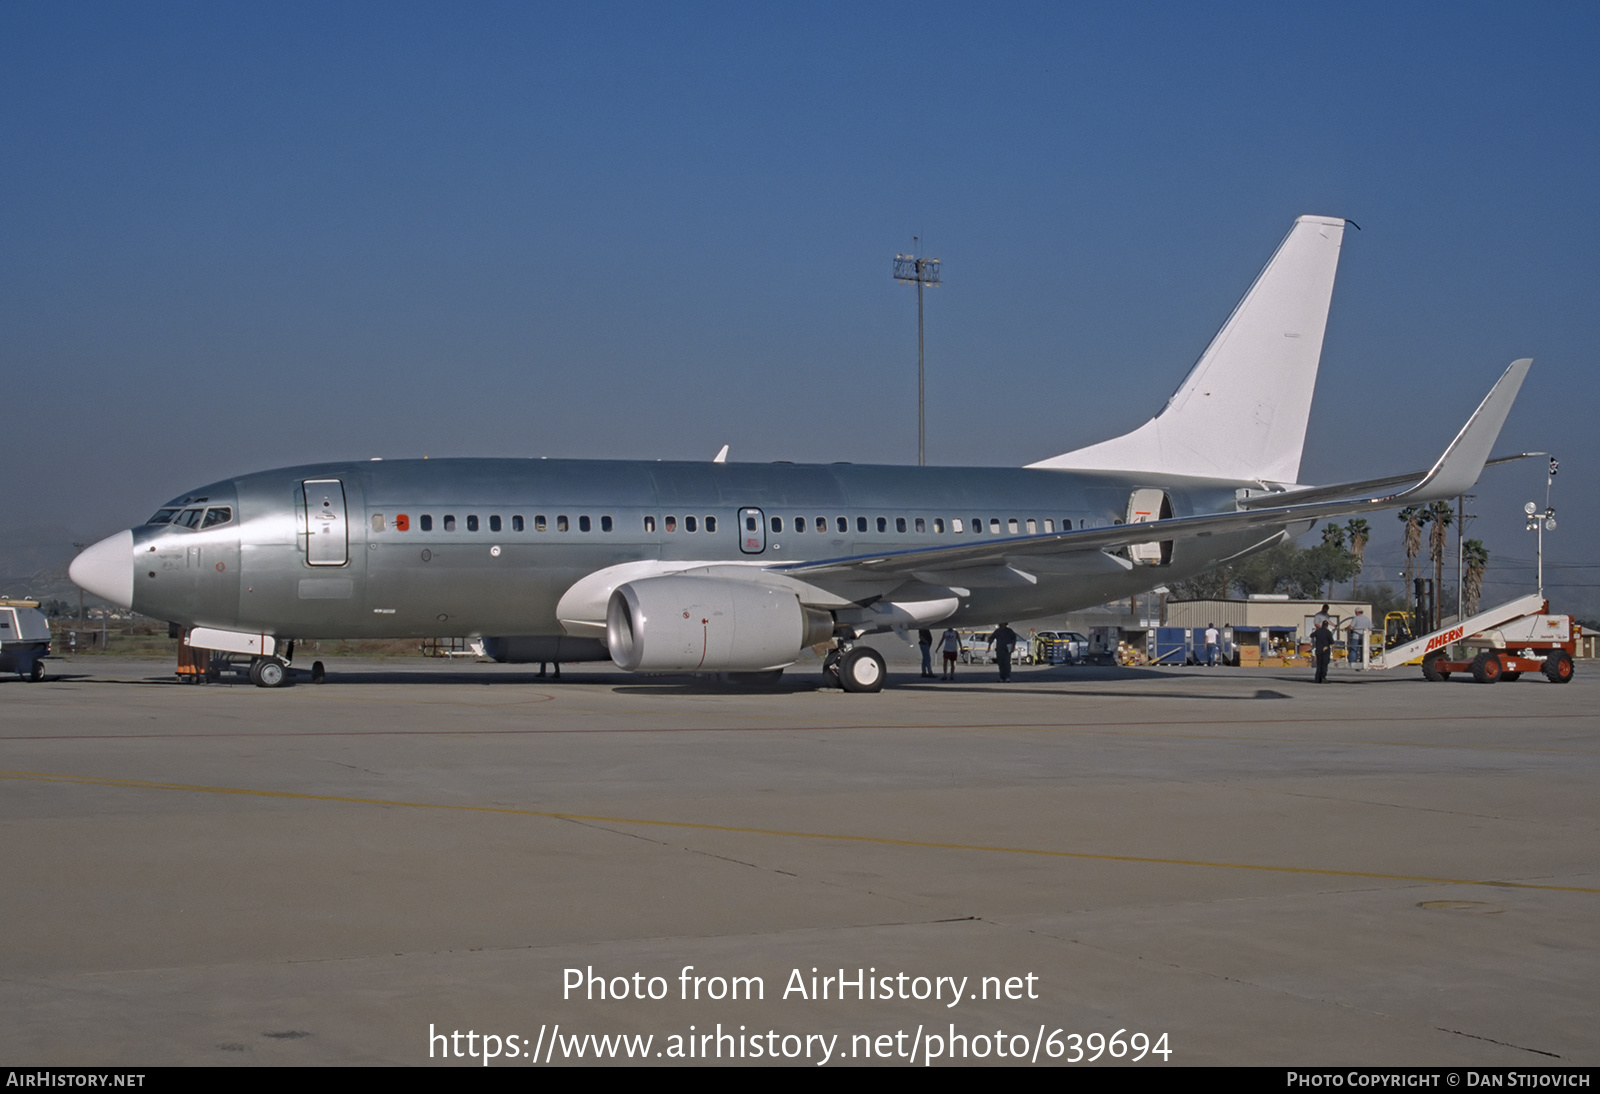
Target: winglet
(1458, 469)
(721, 457)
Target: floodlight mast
(922, 271)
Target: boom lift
(1512, 638)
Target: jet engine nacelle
(703, 624)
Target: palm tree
(1442, 514)
(1333, 539)
(1413, 517)
(1359, 532)
(1476, 557)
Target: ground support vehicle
(24, 639)
(1061, 648)
(1501, 643)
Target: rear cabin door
(752, 531)
(325, 526)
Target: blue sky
(243, 236)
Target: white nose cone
(106, 569)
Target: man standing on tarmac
(1004, 640)
(1211, 646)
(1322, 647)
(1360, 630)
(925, 641)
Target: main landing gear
(854, 668)
(273, 672)
(268, 672)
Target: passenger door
(323, 522)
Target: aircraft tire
(1558, 667)
(269, 672)
(862, 670)
(1487, 667)
(318, 673)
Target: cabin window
(922, 525)
(843, 524)
(883, 524)
(402, 523)
(711, 524)
(861, 524)
(650, 524)
(449, 522)
(427, 522)
(690, 524)
(1049, 524)
(377, 522)
(777, 524)
(516, 523)
(955, 524)
(750, 523)
(538, 522)
(584, 524)
(994, 526)
(799, 524)
(494, 523)
(605, 524)
(822, 524)
(899, 524)
(938, 525)
(977, 526)
(472, 522)
(672, 524)
(561, 523)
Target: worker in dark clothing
(925, 641)
(1004, 640)
(1322, 648)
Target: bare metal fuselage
(418, 548)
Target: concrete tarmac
(1233, 866)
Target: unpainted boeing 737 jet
(739, 568)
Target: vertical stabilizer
(1241, 412)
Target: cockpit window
(217, 515)
(189, 518)
(163, 516)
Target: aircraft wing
(985, 562)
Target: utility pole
(1545, 521)
(923, 271)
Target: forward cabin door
(752, 531)
(324, 523)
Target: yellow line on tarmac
(137, 784)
